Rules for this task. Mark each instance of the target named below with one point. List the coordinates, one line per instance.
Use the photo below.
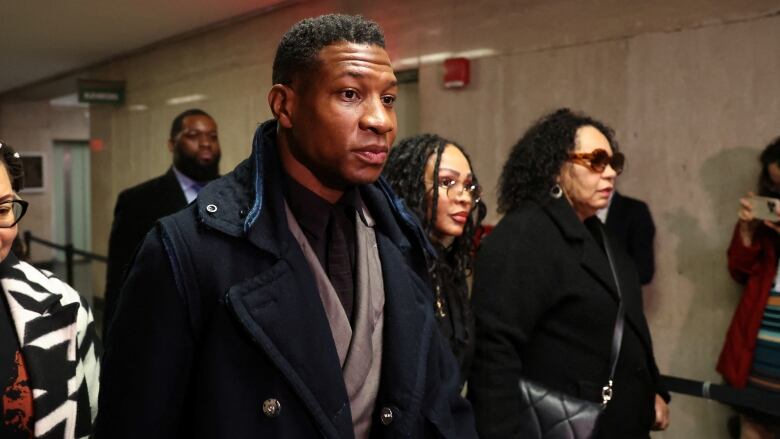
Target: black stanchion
(27, 242)
(69, 263)
(70, 253)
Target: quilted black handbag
(547, 414)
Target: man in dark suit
(291, 299)
(194, 146)
(630, 222)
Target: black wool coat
(220, 319)
(545, 304)
(137, 209)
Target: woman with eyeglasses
(49, 362)
(751, 352)
(545, 299)
(435, 179)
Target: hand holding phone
(764, 208)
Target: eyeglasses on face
(454, 188)
(598, 159)
(11, 212)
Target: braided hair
(405, 171)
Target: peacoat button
(271, 407)
(211, 208)
(386, 415)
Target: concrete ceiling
(43, 39)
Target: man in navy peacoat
(225, 334)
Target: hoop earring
(556, 191)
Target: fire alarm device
(456, 72)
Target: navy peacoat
(220, 331)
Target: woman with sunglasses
(49, 361)
(434, 177)
(545, 298)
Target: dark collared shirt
(317, 217)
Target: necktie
(339, 263)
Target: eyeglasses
(454, 188)
(11, 212)
(598, 159)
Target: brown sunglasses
(598, 159)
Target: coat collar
(238, 204)
(28, 294)
(592, 257)
(242, 204)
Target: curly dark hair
(300, 46)
(405, 171)
(536, 158)
(771, 154)
(13, 164)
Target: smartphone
(765, 208)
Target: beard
(192, 168)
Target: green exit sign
(101, 92)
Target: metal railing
(70, 253)
(759, 400)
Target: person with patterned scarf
(49, 352)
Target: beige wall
(692, 110)
(691, 88)
(34, 126)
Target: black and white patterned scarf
(56, 333)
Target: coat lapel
(595, 261)
(592, 257)
(408, 317)
(171, 191)
(281, 307)
(34, 308)
(282, 311)
(408, 328)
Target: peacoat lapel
(280, 307)
(591, 255)
(408, 316)
(282, 311)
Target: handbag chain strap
(617, 335)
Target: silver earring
(556, 191)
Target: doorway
(72, 207)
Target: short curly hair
(405, 172)
(13, 164)
(298, 51)
(536, 159)
(770, 154)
